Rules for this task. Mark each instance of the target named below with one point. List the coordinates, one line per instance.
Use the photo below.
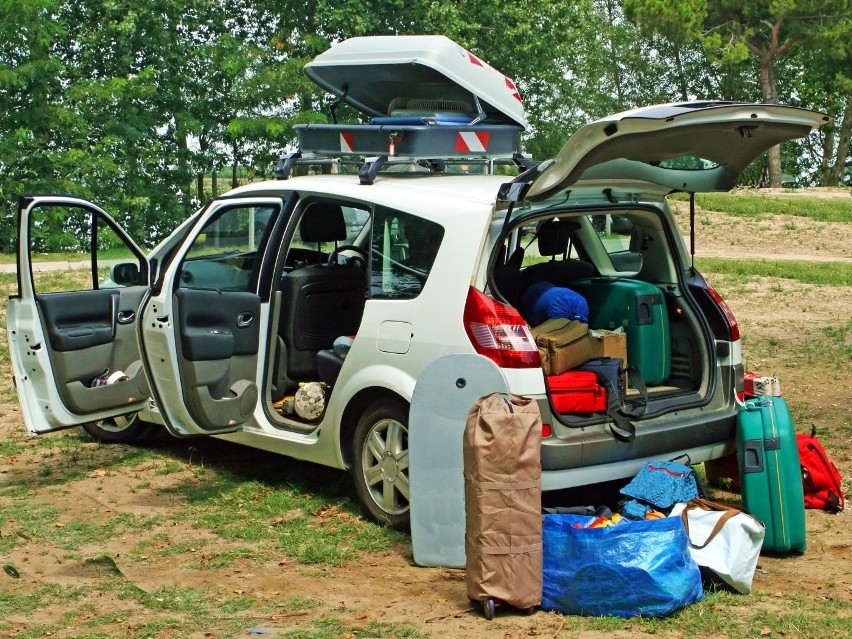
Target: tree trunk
(837, 171)
(613, 57)
(681, 76)
(768, 93)
(827, 151)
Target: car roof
(388, 188)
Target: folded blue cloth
(662, 484)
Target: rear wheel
(381, 462)
(122, 429)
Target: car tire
(122, 429)
(381, 462)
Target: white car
(218, 327)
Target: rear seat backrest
(553, 239)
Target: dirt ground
(387, 587)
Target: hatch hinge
(516, 190)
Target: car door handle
(126, 317)
(244, 320)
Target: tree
(767, 30)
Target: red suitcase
(576, 392)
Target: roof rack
(370, 166)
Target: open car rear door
(72, 325)
(207, 315)
(693, 147)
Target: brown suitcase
(563, 344)
(502, 470)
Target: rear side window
(403, 251)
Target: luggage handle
(706, 504)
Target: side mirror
(124, 274)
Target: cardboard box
(609, 344)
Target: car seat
(554, 238)
(319, 301)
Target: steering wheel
(360, 261)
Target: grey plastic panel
(443, 396)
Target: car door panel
(79, 319)
(219, 340)
(87, 340)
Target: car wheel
(122, 429)
(381, 462)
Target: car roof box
(417, 76)
(428, 98)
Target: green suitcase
(640, 308)
(770, 473)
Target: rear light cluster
(729, 316)
(498, 332)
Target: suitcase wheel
(488, 606)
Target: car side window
(222, 255)
(404, 248)
(620, 240)
(76, 249)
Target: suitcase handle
(752, 456)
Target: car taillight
(499, 332)
(729, 316)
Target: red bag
(820, 478)
(576, 392)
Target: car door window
(76, 249)
(404, 248)
(222, 256)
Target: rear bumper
(591, 454)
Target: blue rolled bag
(634, 568)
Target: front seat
(320, 301)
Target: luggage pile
(621, 320)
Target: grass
(744, 270)
(760, 206)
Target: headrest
(323, 222)
(554, 235)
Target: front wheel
(381, 462)
(123, 429)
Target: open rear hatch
(693, 147)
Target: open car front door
(203, 324)
(72, 325)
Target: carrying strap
(705, 504)
(620, 425)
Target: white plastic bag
(724, 539)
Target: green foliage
(136, 105)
